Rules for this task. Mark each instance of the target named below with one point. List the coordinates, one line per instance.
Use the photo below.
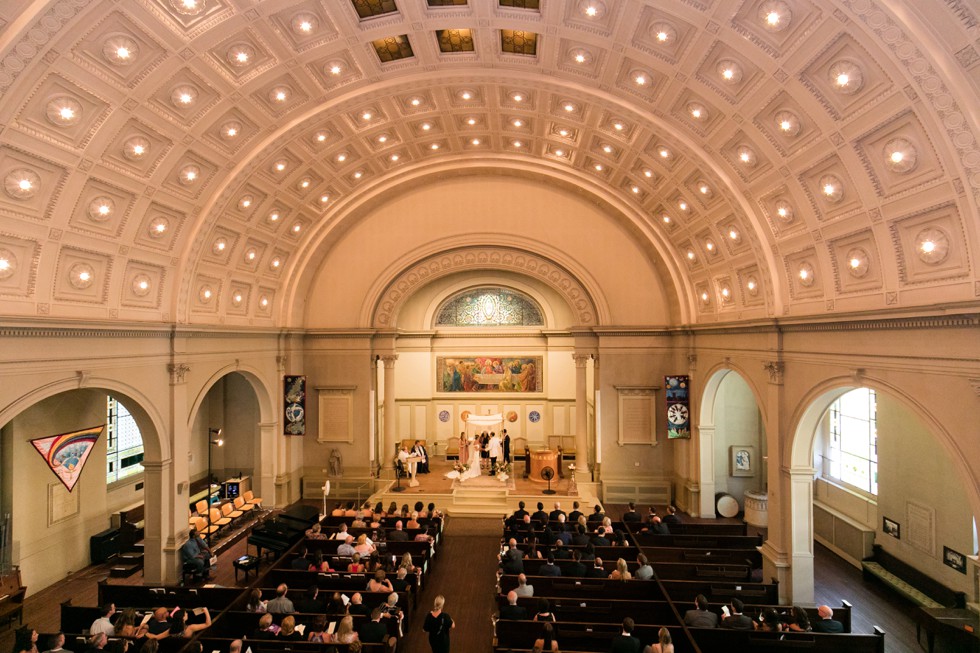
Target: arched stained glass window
(489, 307)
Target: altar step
(479, 502)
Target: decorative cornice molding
(975, 384)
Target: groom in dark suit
(506, 438)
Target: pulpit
(541, 459)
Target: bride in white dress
(474, 461)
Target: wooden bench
(277, 646)
(910, 582)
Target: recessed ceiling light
(250, 254)
(280, 166)
(358, 174)
(569, 107)
(304, 24)
(426, 126)
(231, 129)
(618, 126)
(434, 146)
(305, 183)
(320, 136)
(775, 15)
(517, 97)
(334, 68)
(697, 111)
(393, 158)
(666, 219)
(648, 173)
(341, 157)
(690, 254)
(641, 79)
(415, 101)
(708, 245)
(733, 233)
(598, 167)
(324, 199)
(559, 152)
(274, 216)
(279, 94)
(563, 133)
(264, 301)
(367, 115)
(466, 95)
(297, 228)
(635, 189)
(518, 122)
(607, 149)
(141, 285)
(383, 138)
(100, 208)
(471, 121)
(275, 263)
(517, 144)
(664, 153)
(682, 205)
(158, 226)
(475, 141)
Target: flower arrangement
(502, 470)
(461, 467)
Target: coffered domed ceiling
(193, 160)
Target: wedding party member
(438, 624)
(464, 448)
(494, 450)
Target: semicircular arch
(255, 380)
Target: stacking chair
(217, 519)
(201, 525)
(241, 505)
(228, 511)
(251, 499)
(202, 508)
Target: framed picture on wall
(742, 462)
(954, 559)
(892, 528)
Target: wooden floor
(464, 574)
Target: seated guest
(379, 583)
(363, 546)
(350, 511)
(158, 627)
(400, 582)
(357, 607)
(347, 548)
(338, 510)
(359, 520)
(392, 510)
(643, 571)
(664, 643)
(355, 566)
(309, 602)
(625, 642)
(631, 515)
(413, 521)
(769, 621)
(104, 623)
(540, 516)
(658, 527)
(561, 551)
(544, 612)
(428, 535)
(523, 589)
(301, 562)
(409, 564)
(600, 539)
(574, 514)
(556, 513)
(827, 623)
(126, 625)
(280, 604)
(671, 517)
(96, 643)
(597, 515)
(520, 512)
(621, 572)
(287, 630)
(317, 631)
(315, 533)
(596, 570)
(398, 535)
(255, 602)
(373, 631)
(547, 642)
(512, 610)
(265, 631)
(390, 610)
(574, 568)
(56, 643)
(548, 535)
(319, 563)
(549, 568)
(335, 605)
(588, 553)
(700, 616)
(196, 552)
(606, 526)
(798, 621)
(345, 632)
(512, 560)
(341, 534)
(580, 537)
(733, 618)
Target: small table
(246, 564)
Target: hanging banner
(66, 454)
(294, 393)
(678, 407)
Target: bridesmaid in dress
(463, 448)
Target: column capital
(177, 372)
(776, 370)
(581, 360)
(389, 360)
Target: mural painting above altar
(503, 374)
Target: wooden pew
(715, 542)
(613, 610)
(677, 590)
(238, 624)
(276, 646)
(138, 596)
(591, 636)
(667, 570)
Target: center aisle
(464, 573)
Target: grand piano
(281, 532)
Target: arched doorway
(237, 402)
(911, 505)
(48, 520)
(730, 417)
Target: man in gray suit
(701, 616)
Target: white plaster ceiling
(188, 160)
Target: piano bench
(246, 563)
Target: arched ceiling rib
(827, 161)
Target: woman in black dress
(438, 624)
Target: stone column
(160, 548)
(581, 412)
(264, 480)
(779, 552)
(597, 439)
(388, 451)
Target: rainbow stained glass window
(489, 307)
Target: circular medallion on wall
(443, 415)
(512, 416)
(534, 416)
(465, 415)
